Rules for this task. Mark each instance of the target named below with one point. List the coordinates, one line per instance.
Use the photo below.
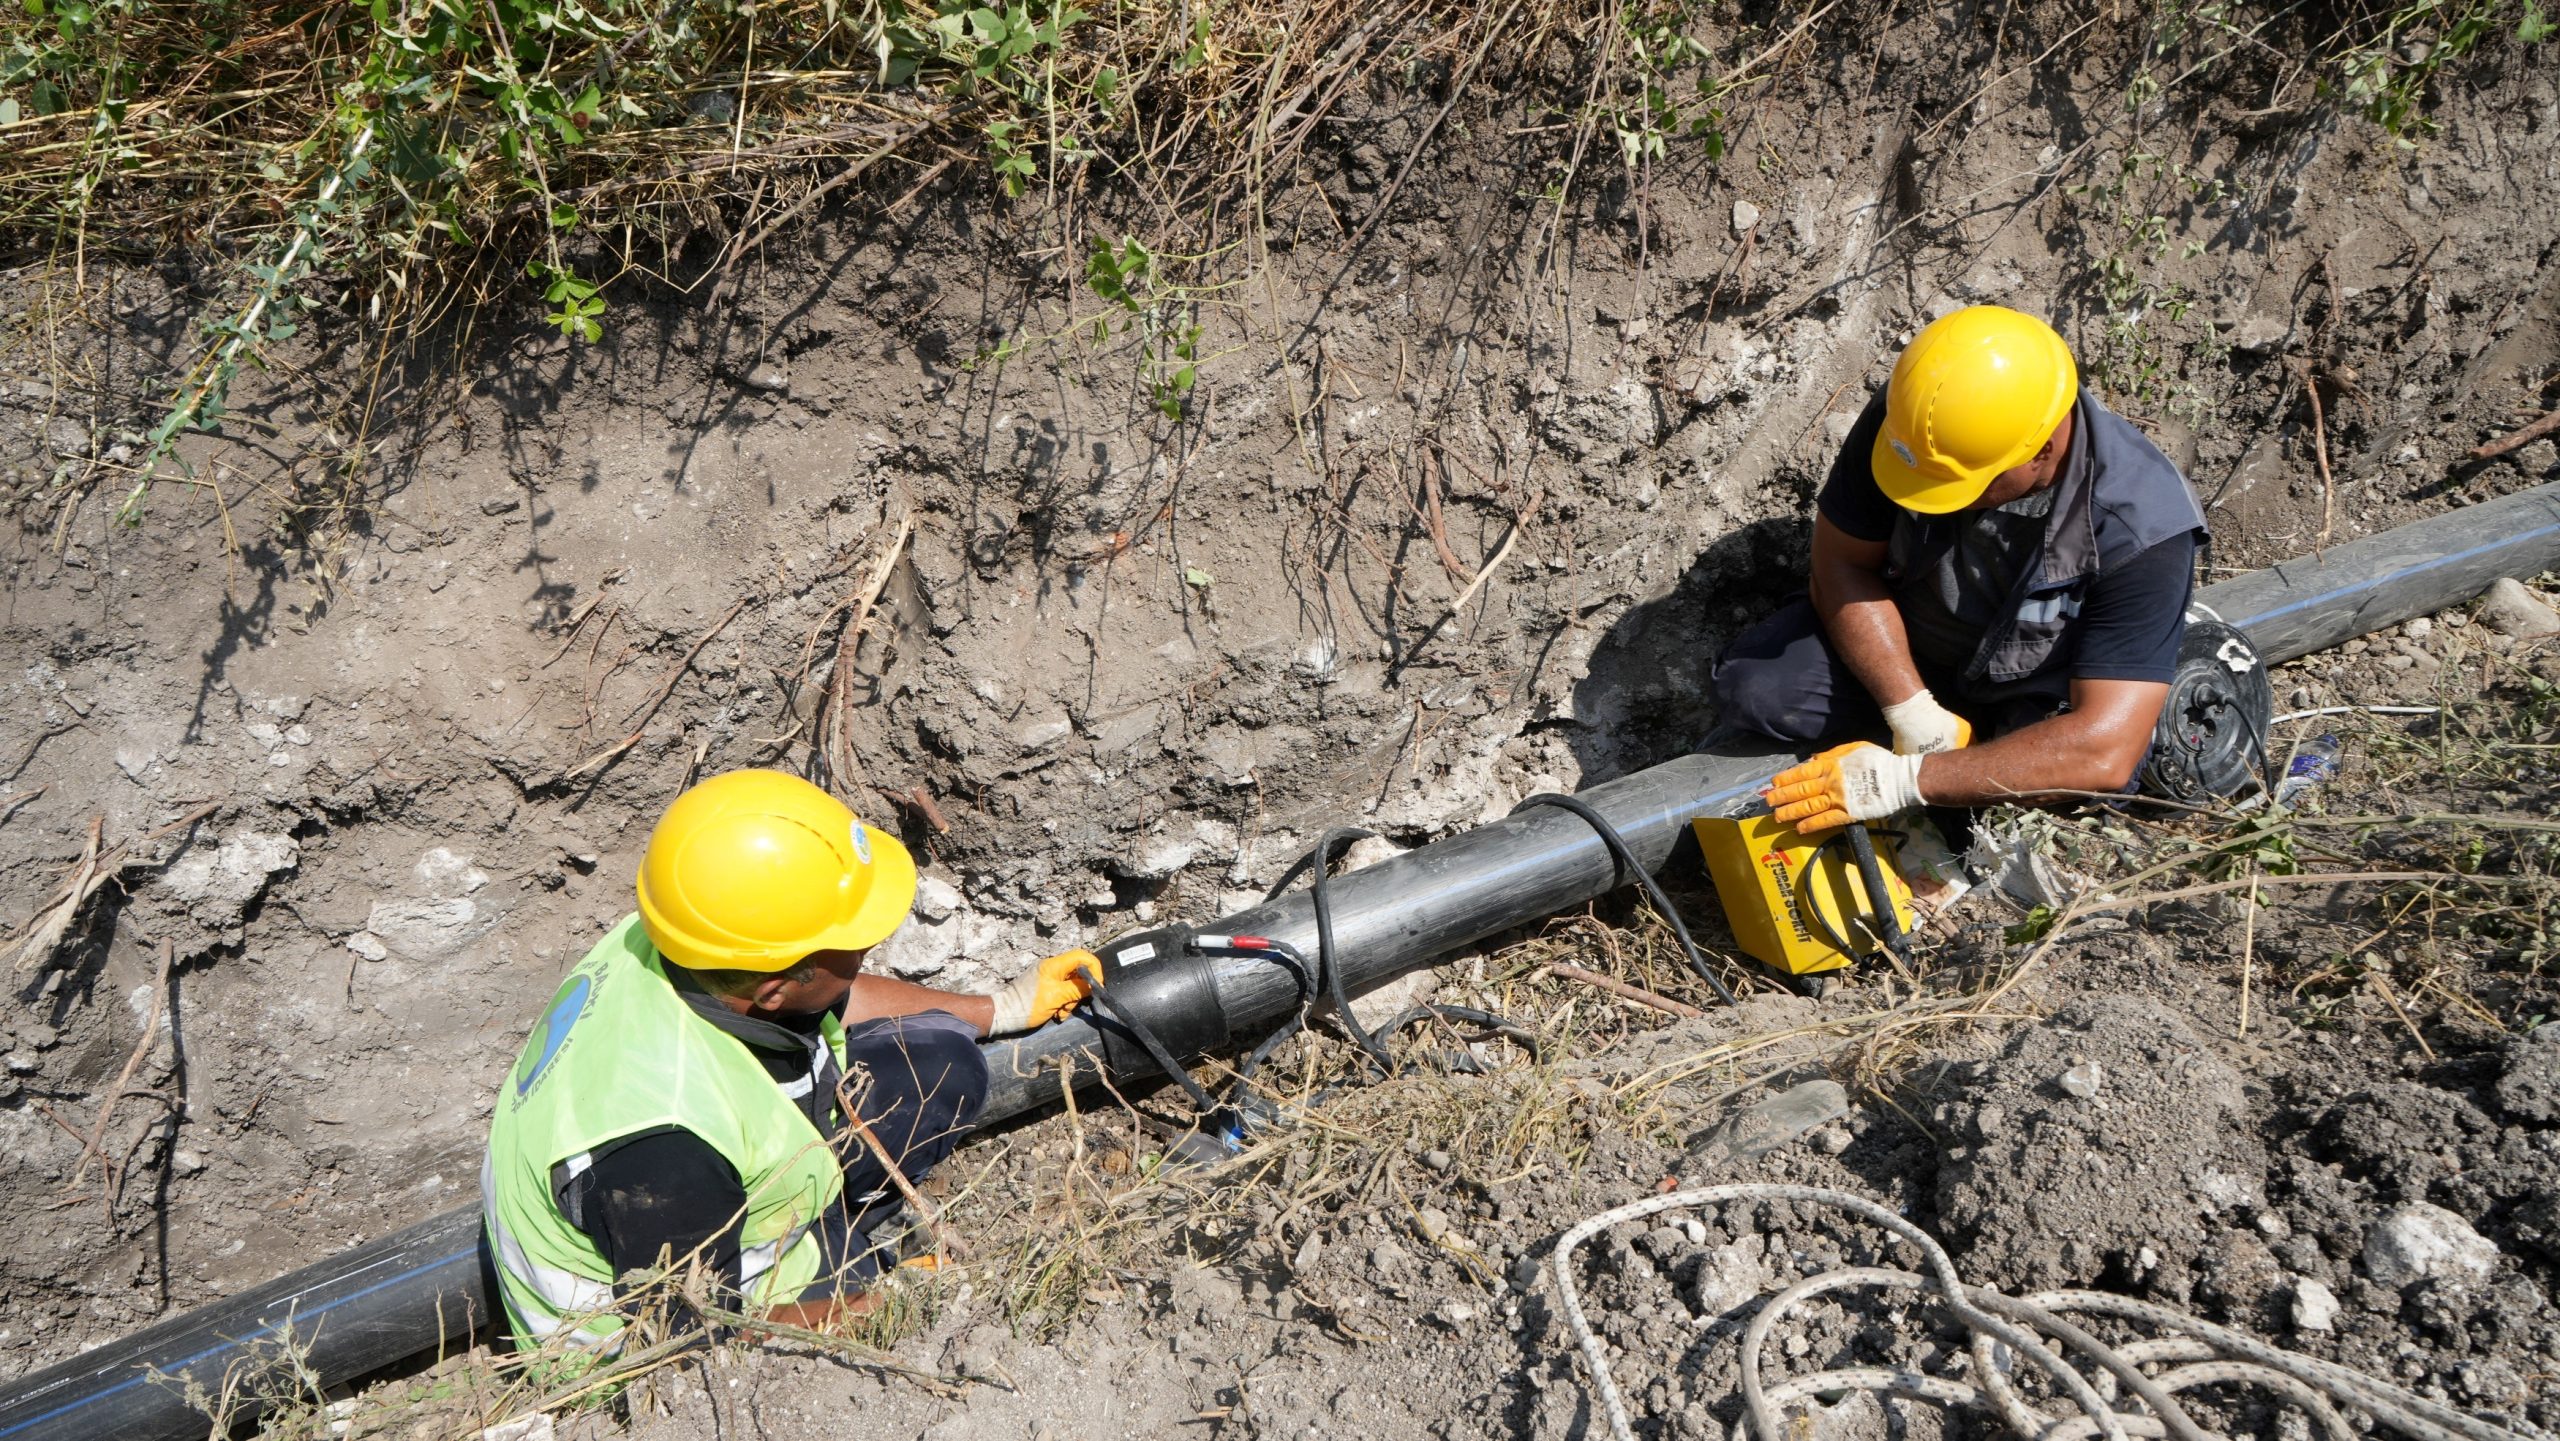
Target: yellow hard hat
(754, 870)
(1975, 393)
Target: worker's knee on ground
(1767, 697)
(927, 1074)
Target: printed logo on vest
(556, 1022)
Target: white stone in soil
(443, 874)
(919, 949)
(1040, 735)
(1315, 660)
(1215, 836)
(1731, 1276)
(2510, 609)
(1376, 1007)
(936, 898)
(233, 872)
(432, 929)
(368, 946)
(2418, 1242)
(536, 1427)
(1158, 856)
(985, 937)
(2315, 1306)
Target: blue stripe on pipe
(2378, 582)
(214, 1350)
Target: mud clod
(2131, 1186)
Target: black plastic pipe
(2311, 603)
(413, 1291)
(368, 1307)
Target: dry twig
(2320, 447)
(928, 1214)
(648, 712)
(98, 864)
(2517, 439)
(838, 735)
(1625, 991)
(96, 1142)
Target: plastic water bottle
(2315, 762)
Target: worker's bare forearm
(1858, 615)
(876, 998)
(2066, 755)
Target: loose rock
(2529, 1087)
(2315, 1306)
(2508, 608)
(2418, 1242)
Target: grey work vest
(2118, 496)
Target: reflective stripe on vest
(564, 1294)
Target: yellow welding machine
(1796, 903)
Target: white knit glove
(1922, 727)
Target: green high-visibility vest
(619, 1053)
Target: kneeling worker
(678, 1101)
(1992, 549)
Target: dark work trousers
(1782, 681)
(927, 1081)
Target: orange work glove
(1046, 991)
(1854, 782)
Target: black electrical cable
(1328, 974)
(1321, 979)
(1629, 868)
(1164, 1059)
(1801, 885)
(1307, 992)
(1493, 1021)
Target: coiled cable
(2005, 1331)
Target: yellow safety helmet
(1975, 393)
(754, 870)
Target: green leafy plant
(2387, 71)
(574, 303)
(391, 159)
(1129, 277)
(1671, 92)
(2131, 276)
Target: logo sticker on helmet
(556, 1024)
(861, 844)
(1903, 450)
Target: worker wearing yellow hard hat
(1994, 555)
(720, 1083)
